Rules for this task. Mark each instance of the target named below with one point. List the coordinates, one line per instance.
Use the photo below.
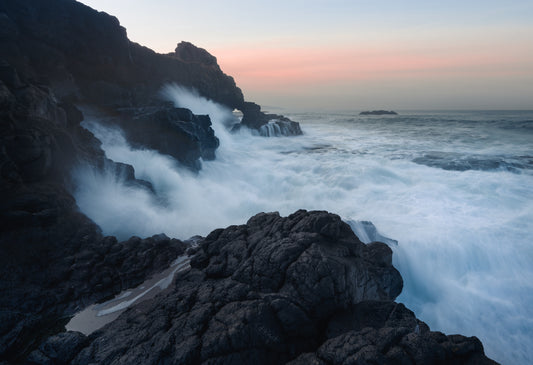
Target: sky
(352, 54)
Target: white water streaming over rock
(464, 247)
(276, 128)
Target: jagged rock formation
(268, 125)
(53, 54)
(301, 288)
(172, 131)
(53, 259)
(86, 56)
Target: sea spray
(463, 235)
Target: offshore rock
(301, 288)
(267, 125)
(280, 127)
(378, 112)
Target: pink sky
(353, 54)
(270, 68)
(273, 73)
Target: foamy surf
(463, 234)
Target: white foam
(464, 237)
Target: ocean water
(455, 189)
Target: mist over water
(454, 189)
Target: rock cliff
(84, 55)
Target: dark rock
(379, 112)
(267, 125)
(280, 127)
(53, 259)
(188, 52)
(8, 74)
(86, 54)
(58, 349)
(172, 131)
(300, 288)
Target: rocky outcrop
(53, 259)
(379, 112)
(86, 55)
(172, 131)
(301, 288)
(267, 125)
(188, 52)
(375, 332)
(53, 55)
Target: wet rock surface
(267, 125)
(53, 259)
(172, 131)
(301, 288)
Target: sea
(453, 188)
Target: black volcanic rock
(379, 112)
(300, 288)
(188, 52)
(173, 131)
(86, 54)
(268, 125)
(53, 259)
(58, 349)
(388, 333)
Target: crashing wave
(367, 232)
